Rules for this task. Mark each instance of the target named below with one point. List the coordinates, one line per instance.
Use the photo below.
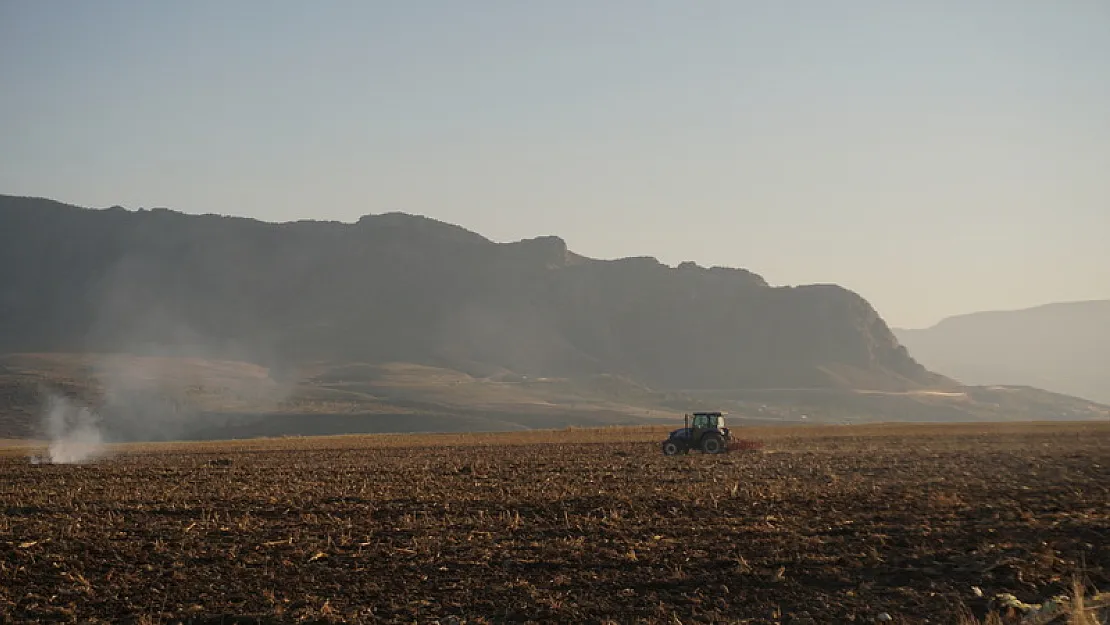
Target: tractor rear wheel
(713, 444)
(672, 448)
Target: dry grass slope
(328, 398)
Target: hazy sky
(938, 157)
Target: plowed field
(826, 525)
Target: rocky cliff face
(397, 287)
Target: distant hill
(1061, 347)
(401, 288)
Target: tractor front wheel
(672, 448)
(713, 444)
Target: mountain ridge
(174, 325)
(112, 278)
(1001, 312)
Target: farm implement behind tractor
(706, 432)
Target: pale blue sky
(938, 157)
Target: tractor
(704, 431)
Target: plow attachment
(744, 444)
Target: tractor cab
(705, 421)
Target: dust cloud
(157, 368)
(72, 431)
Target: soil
(816, 528)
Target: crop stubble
(827, 525)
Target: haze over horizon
(938, 159)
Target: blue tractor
(704, 431)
